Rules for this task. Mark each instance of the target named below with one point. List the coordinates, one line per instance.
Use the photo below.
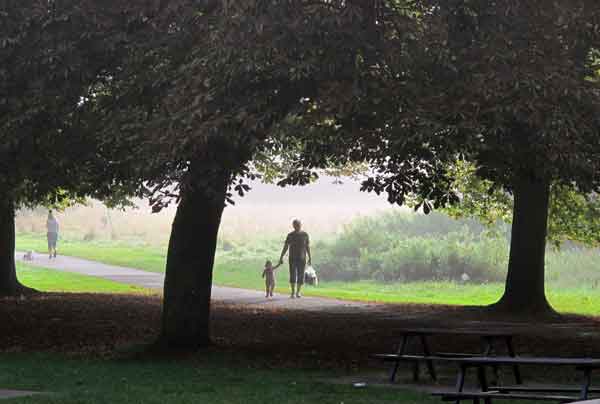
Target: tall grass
(574, 267)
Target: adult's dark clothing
(297, 242)
(52, 239)
(297, 268)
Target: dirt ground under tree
(106, 325)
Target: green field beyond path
(49, 280)
(245, 273)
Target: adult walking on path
(298, 244)
(52, 233)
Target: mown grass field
(49, 280)
(584, 300)
(246, 273)
(115, 253)
(213, 378)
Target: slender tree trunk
(524, 292)
(9, 284)
(190, 259)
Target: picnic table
(488, 342)
(519, 392)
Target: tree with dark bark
(407, 87)
(52, 56)
(511, 87)
(218, 95)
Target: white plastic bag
(310, 276)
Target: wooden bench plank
(528, 360)
(399, 357)
(405, 357)
(453, 396)
(503, 360)
(458, 355)
(544, 389)
(455, 331)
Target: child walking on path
(269, 275)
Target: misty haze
(147, 256)
(363, 246)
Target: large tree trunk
(190, 259)
(524, 292)
(9, 284)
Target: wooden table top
(510, 360)
(448, 331)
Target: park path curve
(154, 281)
(438, 317)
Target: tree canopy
(212, 97)
(505, 85)
(516, 94)
(406, 87)
(53, 55)
(510, 87)
(183, 100)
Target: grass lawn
(49, 280)
(134, 256)
(210, 378)
(246, 274)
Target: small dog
(28, 256)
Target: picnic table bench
(488, 342)
(519, 392)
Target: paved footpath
(152, 280)
(253, 298)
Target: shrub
(408, 247)
(90, 235)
